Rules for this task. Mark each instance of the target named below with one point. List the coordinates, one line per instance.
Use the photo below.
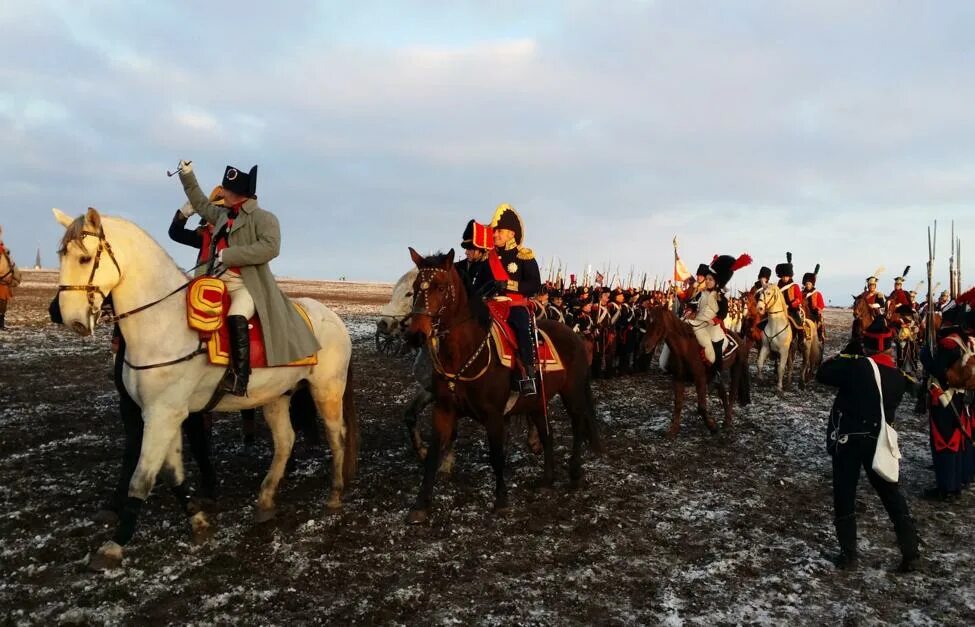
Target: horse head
(436, 293)
(395, 313)
(89, 270)
(656, 326)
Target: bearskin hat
(723, 267)
(239, 182)
(810, 277)
(878, 337)
(505, 217)
(764, 273)
(783, 270)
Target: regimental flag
(680, 270)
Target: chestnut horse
(685, 365)
(469, 380)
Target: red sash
(499, 273)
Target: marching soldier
(246, 238)
(517, 277)
(949, 415)
(814, 302)
(556, 308)
(854, 425)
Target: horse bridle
(90, 288)
(422, 297)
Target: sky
(835, 130)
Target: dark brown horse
(685, 365)
(468, 379)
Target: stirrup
(233, 384)
(527, 387)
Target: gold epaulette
(525, 254)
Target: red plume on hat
(966, 298)
(743, 260)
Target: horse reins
(91, 289)
(422, 299)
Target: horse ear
(63, 218)
(450, 260)
(94, 219)
(417, 258)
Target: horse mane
(477, 307)
(73, 234)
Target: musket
(953, 292)
(929, 311)
(643, 284)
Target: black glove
(501, 286)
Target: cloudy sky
(837, 130)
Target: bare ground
(709, 529)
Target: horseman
(473, 269)
(792, 294)
(896, 300)
(517, 278)
(692, 298)
(764, 274)
(871, 295)
(9, 279)
(246, 238)
(201, 237)
(814, 302)
(712, 307)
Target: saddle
(207, 304)
(730, 346)
(506, 344)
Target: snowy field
(725, 529)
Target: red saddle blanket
(506, 343)
(207, 304)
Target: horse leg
(728, 396)
(197, 432)
(448, 458)
(544, 435)
(444, 423)
(577, 400)
(328, 400)
(495, 434)
(678, 408)
(763, 352)
(161, 426)
(278, 419)
(702, 404)
(411, 417)
(131, 415)
(780, 368)
(199, 525)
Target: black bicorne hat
(505, 217)
(467, 242)
(239, 182)
(765, 273)
(878, 336)
(703, 270)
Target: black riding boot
(2, 321)
(908, 541)
(717, 369)
(235, 381)
(846, 533)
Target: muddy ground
(734, 528)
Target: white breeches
(707, 333)
(241, 303)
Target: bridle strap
(200, 350)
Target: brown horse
(685, 365)
(468, 379)
(863, 317)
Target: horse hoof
(105, 517)
(108, 557)
(712, 426)
(201, 528)
(421, 454)
(265, 515)
(544, 484)
(418, 517)
(671, 434)
(333, 506)
(501, 510)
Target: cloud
(836, 131)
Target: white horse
(777, 334)
(169, 378)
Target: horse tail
(350, 465)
